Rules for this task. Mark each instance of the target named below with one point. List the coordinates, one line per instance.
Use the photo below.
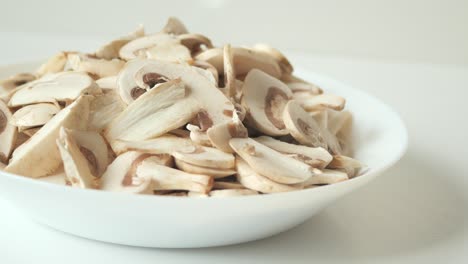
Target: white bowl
(379, 138)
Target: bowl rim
(395, 157)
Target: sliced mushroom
(165, 178)
(265, 98)
(76, 164)
(9, 84)
(29, 131)
(252, 180)
(34, 115)
(160, 145)
(107, 83)
(111, 50)
(214, 172)
(39, 156)
(213, 73)
(322, 101)
(154, 114)
(321, 117)
(326, 176)
(158, 46)
(245, 60)
(306, 130)
(304, 89)
(315, 157)
(229, 72)
(220, 185)
(103, 109)
(284, 63)
(63, 86)
(194, 42)
(338, 120)
(94, 66)
(214, 105)
(58, 177)
(174, 26)
(206, 157)
(344, 162)
(54, 64)
(270, 163)
(198, 136)
(219, 135)
(8, 133)
(180, 133)
(232, 192)
(122, 176)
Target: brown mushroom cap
(8, 133)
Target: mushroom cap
(153, 114)
(111, 50)
(121, 175)
(270, 163)
(34, 115)
(165, 178)
(62, 86)
(232, 192)
(316, 157)
(206, 157)
(252, 180)
(8, 133)
(97, 67)
(265, 98)
(244, 61)
(75, 163)
(39, 156)
(103, 109)
(214, 172)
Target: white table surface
(415, 213)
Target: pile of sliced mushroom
(170, 114)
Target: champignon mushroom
(265, 98)
(205, 157)
(338, 120)
(219, 135)
(214, 172)
(245, 60)
(306, 130)
(284, 63)
(213, 73)
(194, 42)
(321, 117)
(158, 46)
(9, 84)
(103, 109)
(325, 176)
(304, 89)
(160, 145)
(121, 175)
(54, 64)
(174, 26)
(99, 68)
(232, 192)
(165, 178)
(39, 156)
(107, 83)
(63, 86)
(111, 50)
(315, 157)
(270, 163)
(8, 133)
(344, 162)
(77, 166)
(198, 136)
(322, 101)
(34, 115)
(252, 180)
(154, 114)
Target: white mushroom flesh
(8, 133)
(34, 115)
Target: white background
(413, 55)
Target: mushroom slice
(214, 105)
(326, 176)
(107, 83)
(103, 109)
(158, 46)
(338, 120)
(63, 86)
(220, 185)
(219, 135)
(252, 180)
(303, 89)
(229, 72)
(270, 163)
(194, 42)
(34, 115)
(214, 172)
(321, 117)
(122, 176)
(8, 133)
(95, 66)
(9, 84)
(54, 64)
(76, 164)
(180, 133)
(93, 147)
(154, 114)
(39, 156)
(58, 177)
(160, 145)
(245, 60)
(265, 98)
(206, 157)
(306, 130)
(174, 26)
(111, 50)
(315, 157)
(284, 63)
(209, 68)
(322, 101)
(198, 136)
(344, 162)
(28, 131)
(165, 178)
(232, 192)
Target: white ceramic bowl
(379, 138)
